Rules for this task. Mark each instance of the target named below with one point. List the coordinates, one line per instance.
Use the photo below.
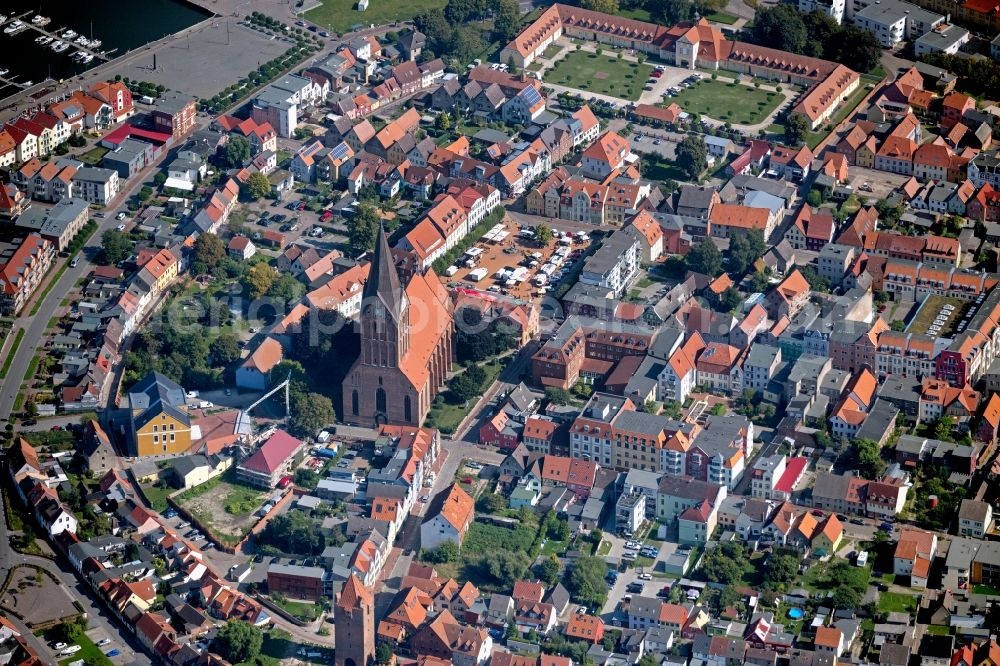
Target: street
(96, 614)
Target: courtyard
(936, 307)
(342, 15)
(728, 101)
(602, 73)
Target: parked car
(285, 482)
(74, 262)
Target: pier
(54, 34)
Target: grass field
(483, 537)
(731, 102)
(341, 15)
(93, 156)
(303, 610)
(12, 353)
(897, 602)
(601, 74)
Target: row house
(907, 354)
(916, 280)
(971, 353)
(22, 271)
(811, 230)
(882, 499)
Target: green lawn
(342, 15)
(722, 17)
(602, 74)
(12, 353)
(604, 549)
(157, 496)
(93, 156)
(897, 602)
(553, 547)
(938, 630)
(731, 102)
(303, 610)
(445, 416)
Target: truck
(478, 274)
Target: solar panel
(531, 95)
(339, 151)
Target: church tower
(385, 311)
(354, 625)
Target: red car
(325, 216)
(285, 482)
(300, 207)
(656, 74)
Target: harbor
(50, 43)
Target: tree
(744, 249)
(258, 279)
(383, 653)
(845, 597)
(238, 641)
(466, 43)
(942, 428)
(506, 20)
(443, 121)
(436, 28)
(730, 299)
(503, 567)
(585, 581)
(295, 533)
(854, 47)
(258, 186)
(796, 127)
(704, 257)
(286, 289)
(558, 396)
(781, 567)
(648, 660)
(725, 563)
(491, 503)
(780, 27)
(225, 349)
(543, 233)
(692, 156)
(759, 281)
(650, 407)
(548, 570)
(116, 246)
(306, 478)
(311, 412)
(446, 552)
(820, 28)
(468, 384)
(865, 456)
(888, 213)
(236, 152)
(603, 6)
(363, 228)
(208, 252)
(669, 12)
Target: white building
(944, 38)
(892, 21)
(280, 103)
(450, 522)
(95, 185)
(833, 8)
(615, 264)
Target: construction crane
(283, 385)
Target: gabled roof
(275, 451)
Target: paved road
(96, 613)
(35, 325)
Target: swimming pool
(796, 613)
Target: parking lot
(512, 263)
(114, 650)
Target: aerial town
(626, 332)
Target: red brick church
(406, 345)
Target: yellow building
(829, 537)
(160, 421)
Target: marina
(61, 39)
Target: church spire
(383, 278)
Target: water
(120, 24)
